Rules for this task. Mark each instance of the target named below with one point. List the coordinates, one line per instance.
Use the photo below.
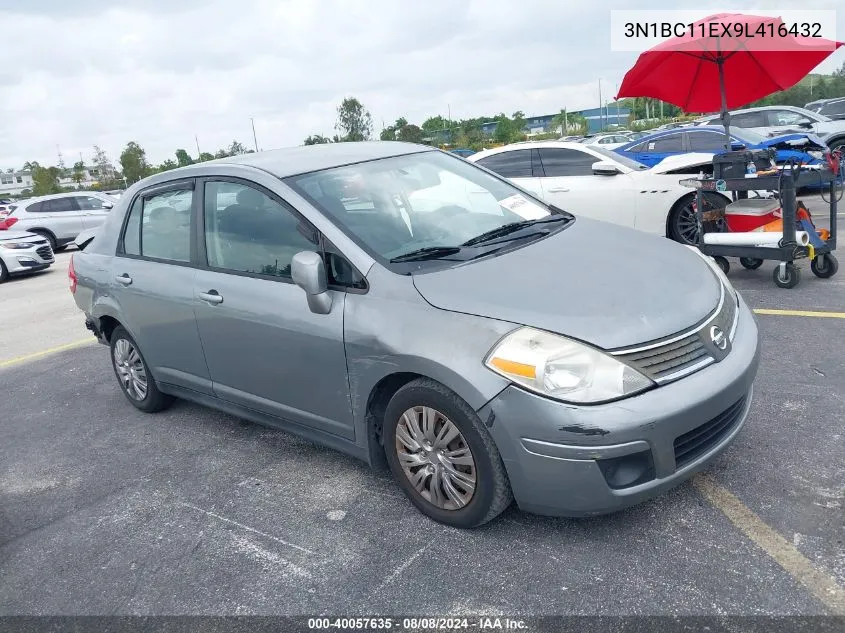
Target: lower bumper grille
(45, 252)
(695, 443)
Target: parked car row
(32, 230)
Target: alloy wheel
(130, 369)
(686, 226)
(436, 458)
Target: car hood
(597, 282)
(798, 141)
(7, 236)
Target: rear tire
(824, 266)
(681, 225)
(464, 493)
(133, 375)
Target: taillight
(7, 223)
(71, 275)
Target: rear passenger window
(513, 164)
(159, 226)
(248, 231)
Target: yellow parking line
(802, 313)
(52, 350)
(821, 585)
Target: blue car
(652, 149)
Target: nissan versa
(402, 305)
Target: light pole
(254, 137)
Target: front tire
(133, 374)
(442, 457)
(4, 273)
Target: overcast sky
(158, 72)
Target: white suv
(60, 217)
(777, 120)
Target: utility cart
(785, 183)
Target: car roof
(64, 194)
(760, 109)
(528, 145)
(302, 160)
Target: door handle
(212, 297)
(558, 189)
(124, 279)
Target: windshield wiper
(513, 227)
(429, 252)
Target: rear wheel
(133, 375)
(824, 266)
(750, 263)
(442, 456)
(682, 226)
(789, 277)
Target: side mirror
(806, 125)
(107, 205)
(309, 273)
(605, 168)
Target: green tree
(78, 173)
(236, 148)
(205, 156)
(509, 130)
(30, 165)
(316, 139)
(133, 160)
(183, 159)
(435, 123)
(221, 153)
(45, 180)
(354, 121)
(410, 133)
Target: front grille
(669, 359)
(685, 352)
(45, 252)
(695, 443)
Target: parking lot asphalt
(106, 510)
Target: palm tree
(31, 165)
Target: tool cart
(730, 176)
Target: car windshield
(747, 137)
(428, 200)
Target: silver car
(59, 218)
(22, 253)
(413, 310)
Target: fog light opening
(628, 470)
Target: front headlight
(561, 368)
(13, 245)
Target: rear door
(92, 211)
(705, 141)
(516, 166)
(265, 349)
(60, 216)
(153, 284)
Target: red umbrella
(708, 69)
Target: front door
(153, 283)
(570, 184)
(264, 348)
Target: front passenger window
(247, 231)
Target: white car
(593, 182)
(607, 141)
(778, 120)
(22, 252)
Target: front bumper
(26, 260)
(566, 460)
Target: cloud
(160, 72)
